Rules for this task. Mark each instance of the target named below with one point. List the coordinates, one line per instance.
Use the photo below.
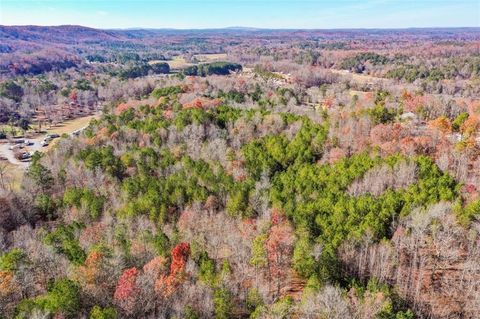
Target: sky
(194, 14)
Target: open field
(13, 174)
(179, 62)
(211, 57)
(358, 77)
(66, 127)
(72, 125)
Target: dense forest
(242, 174)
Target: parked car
(16, 147)
(44, 143)
(27, 143)
(26, 155)
(22, 155)
(53, 135)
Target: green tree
(160, 68)
(102, 313)
(64, 241)
(10, 260)
(222, 301)
(63, 296)
(41, 175)
(10, 89)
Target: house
(409, 117)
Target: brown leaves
(7, 285)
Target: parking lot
(17, 152)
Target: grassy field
(14, 174)
(359, 78)
(211, 57)
(8, 129)
(179, 62)
(71, 125)
(64, 127)
(68, 127)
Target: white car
(44, 143)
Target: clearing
(211, 57)
(179, 62)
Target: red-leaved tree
(126, 291)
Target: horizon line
(242, 28)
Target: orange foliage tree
(166, 284)
(442, 124)
(279, 247)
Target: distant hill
(74, 34)
(67, 34)
(36, 49)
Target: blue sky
(322, 14)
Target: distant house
(455, 137)
(409, 117)
(477, 140)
